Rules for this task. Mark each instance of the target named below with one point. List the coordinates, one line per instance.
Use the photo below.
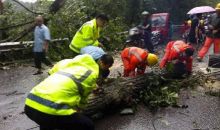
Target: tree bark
(115, 93)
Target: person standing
(41, 43)
(194, 29)
(88, 34)
(146, 24)
(213, 36)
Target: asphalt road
(203, 112)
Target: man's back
(95, 52)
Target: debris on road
(127, 111)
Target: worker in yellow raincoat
(88, 34)
(56, 102)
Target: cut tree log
(115, 93)
(123, 91)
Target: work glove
(98, 90)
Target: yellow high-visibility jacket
(66, 89)
(87, 35)
(62, 65)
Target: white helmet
(145, 13)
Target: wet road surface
(203, 112)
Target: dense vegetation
(64, 23)
(123, 13)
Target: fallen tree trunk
(153, 89)
(115, 93)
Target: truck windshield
(158, 21)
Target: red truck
(161, 24)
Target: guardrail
(10, 51)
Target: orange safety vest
(135, 56)
(177, 49)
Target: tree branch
(17, 25)
(57, 4)
(6, 40)
(25, 32)
(26, 7)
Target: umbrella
(201, 9)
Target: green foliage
(14, 14)
(59, 51)
(74, 13)
(159, 93)
(68, 20)
(163, 92)
(115, 26)
(177, 8)
(110, 7)
(123, 15)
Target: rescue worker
(56, 102)
(146, 25)
(213, 36)
(134, 57)
(96, 53)
(194, 30)
(178, 52)
(88, 34)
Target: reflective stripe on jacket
(135, 56)
(87, 35)
(175, 51)
(61, 65)
(67, 89)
